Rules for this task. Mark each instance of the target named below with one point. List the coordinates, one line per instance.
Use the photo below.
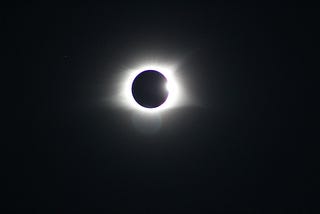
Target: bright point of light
(175, 96)
(168, 87)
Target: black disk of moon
(149, 89)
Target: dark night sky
(244, 150)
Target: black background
(245, 150)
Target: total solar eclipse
(149, 89)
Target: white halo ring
(174, 98)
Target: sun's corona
(174, 89)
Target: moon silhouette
(149, 89)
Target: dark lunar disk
(148, 89)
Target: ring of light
(174, 95)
